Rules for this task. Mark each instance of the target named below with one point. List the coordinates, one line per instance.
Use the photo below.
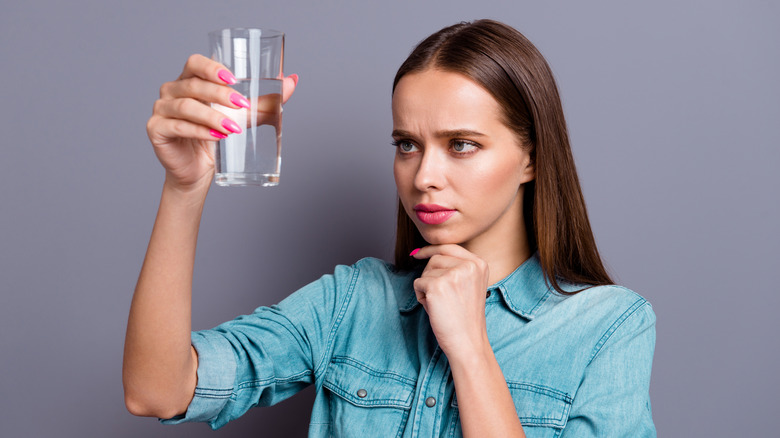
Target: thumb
(290, 82)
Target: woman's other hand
(184, 127)
(452, 289)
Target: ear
(528, 172)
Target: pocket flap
(538, 405)
(363, 386)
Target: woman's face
(458, 169)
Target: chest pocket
(365, 401)
(543, 411)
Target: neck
(502, 257)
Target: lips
(433, 214)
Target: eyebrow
(400, 133)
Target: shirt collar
(524, 290)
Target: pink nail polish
(231, 126)
(227, 77)
(411, 254)
(294, 77)
(239, 100)
(217, 134)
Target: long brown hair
(511, 69)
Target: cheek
(495, 182)
(402, 179)
(397, 175)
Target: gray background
(673, 111)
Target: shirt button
(430, 402)
(487, 295)
(362, 393)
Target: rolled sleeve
(216, 379)
(265, 357)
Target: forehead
(442, 100)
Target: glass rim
(264, 32)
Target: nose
(430, 173)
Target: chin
(440, 238)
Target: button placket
(428, 412)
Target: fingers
(204, 91)
(158, 127)
(439, 262)
(449, 267)
(207, 69)
(420, 292)
(184, 109)
(451, 250)
(193, 111)
(449, 256)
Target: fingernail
(294, 77)
(227, 77)
(217, 134)
(411, 254)
(239, 100)
(231, 126)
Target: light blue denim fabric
(576, 366)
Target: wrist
(195, 191)
(472, 355)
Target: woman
(498, 317)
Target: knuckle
(178, 127)
(188, 86)
(157, 107)
(151, 124)
(165, 89)
(192, 60)
(181, 105)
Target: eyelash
(399, 143)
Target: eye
(463, 146)
(404, 147)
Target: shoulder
(380, 280)
(370, 273)
(617, 302)
(620, 316)
(365, 275)
(609, 301)
(372, 266)
(601, 315)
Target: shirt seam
(214, 393)
(376, 373)
(263, 382)
(615, 326)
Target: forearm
(159, 370)
(484, 402)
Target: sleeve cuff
(216, 378)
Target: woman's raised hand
(452, 290)
(183, 127)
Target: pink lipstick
(433, 214)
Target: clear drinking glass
(255, 57)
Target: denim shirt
(576, 365)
